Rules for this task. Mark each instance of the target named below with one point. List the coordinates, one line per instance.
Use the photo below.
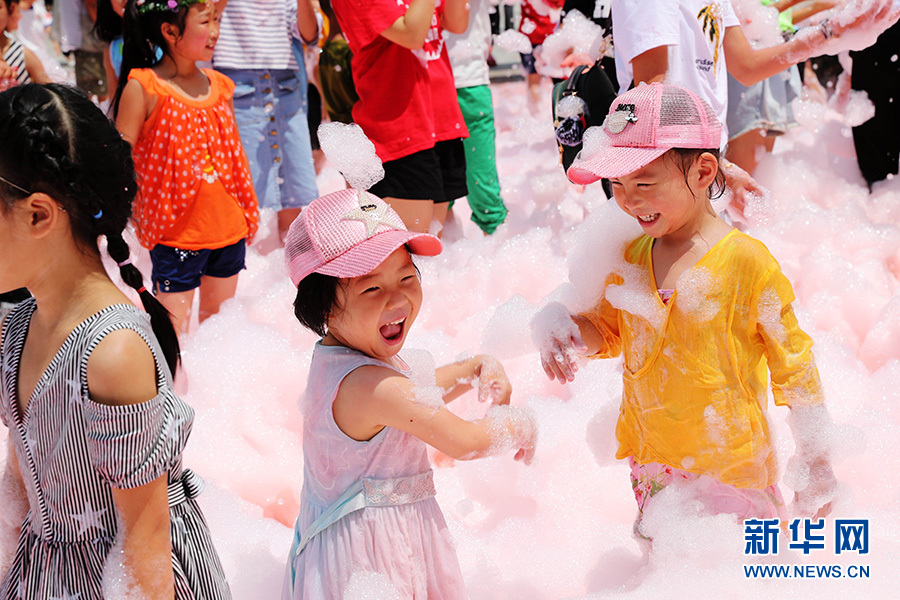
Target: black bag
(593, 88)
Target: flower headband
(145, 6)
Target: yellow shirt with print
(695, 370)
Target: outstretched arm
(371, 398)
(458, 378)
(122, 371)
(749, 65)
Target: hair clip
(99, 213)
(127, 261)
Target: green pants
(484, 198)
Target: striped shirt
(15, 58)
(257, 34)
(72, 452)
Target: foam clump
(512, 428)
(422, 376)
(577, 35)
(570, 106)
(351, 153)
(856, 23)
(514, 41)
(759, 23)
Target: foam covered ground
(561, 528)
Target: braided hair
(55, 141)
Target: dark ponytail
(57, 142)
(160, 319)
(142, 39)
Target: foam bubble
(514, 41)
(352, 153)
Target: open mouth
(393, 332)
(648, 219)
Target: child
(539, 19)
(197, 207)
(23, 61)
(407, 101)
(96, 434)
(108, 28)
(261, 50)
(368, 497)
(699, 313)
(468, 56)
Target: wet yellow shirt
(695, 370)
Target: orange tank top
(195, 186)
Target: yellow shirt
(695, 370)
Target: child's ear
(707, 167)
(43, 214)
(170, 33)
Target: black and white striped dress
(73, 451)
(15, 57)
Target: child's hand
(493, 384)
(815, 499)
(558, 339)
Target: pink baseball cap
(643, 124)
(347, 234)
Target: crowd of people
(190, 117)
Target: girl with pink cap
(368, 497)
(701, 314)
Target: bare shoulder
(372, 383)
(121, 370)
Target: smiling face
(373, 313)
(659, 198)
(201, 32)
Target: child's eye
(371, 289)
(408, 277)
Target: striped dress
(14, 55)
(72, 452)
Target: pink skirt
(715, 497)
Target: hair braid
(160, 319)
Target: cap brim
(365, 256)
(611, 162)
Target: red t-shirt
(534, 24)
(407, 98)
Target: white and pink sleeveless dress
(366, 506)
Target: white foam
(349, 150)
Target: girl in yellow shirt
(702, 316)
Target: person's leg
(488, 210)
(416, 214)
(285, 218)
(296, 181)
(747, 149)
(220, 277)
(213, 292)
(179, 305)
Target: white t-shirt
(696, 52)
(469, 51)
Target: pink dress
(399, 533)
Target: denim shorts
(177, 270)
(270, 110)
(765, 105)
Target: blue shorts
(270, 110)
(177, 270)
(765, 105)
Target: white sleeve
(729, 19)
(644, 25)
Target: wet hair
(317, 297)
(683, 158)
(142, 35)
(109, 25)
(57, 142)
